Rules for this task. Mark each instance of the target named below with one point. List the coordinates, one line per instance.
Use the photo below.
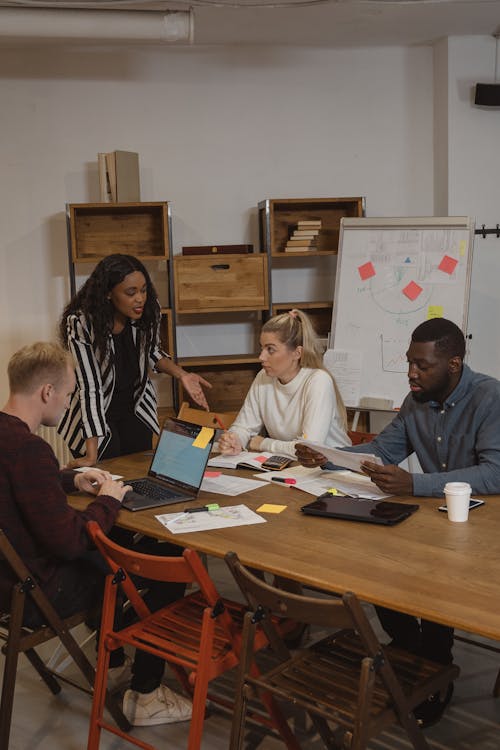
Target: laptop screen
(176, 459)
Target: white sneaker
(120, 677)
(162, 706)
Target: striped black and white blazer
(95, 383)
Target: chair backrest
(328, 612)
(357, 438)
(24, 577)
(222, 420)
(187, 568)
(345, 613)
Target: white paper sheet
(87, 468)
(226, 485)
(343, 458)
(345, 482)
(317, 481)
(345, 366)
(233, 515)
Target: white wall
(473, 181)
(217, 130)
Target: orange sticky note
(260, 459)
(268, 508)
(212, 474)
(412, 290)
(366, 271)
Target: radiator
(50, 435)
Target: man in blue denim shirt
(451, 420)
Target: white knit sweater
(305, 407)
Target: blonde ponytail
(294, 329)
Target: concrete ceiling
(326, 23)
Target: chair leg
(201, 681)
(98, 700)
(496, 689)
(239, 717)
(42, 670)
(10, 667)
(366, 683)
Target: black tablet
(385, 512)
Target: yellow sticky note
(203, 437)
(461, 247)
(268, 508)
(435, 311)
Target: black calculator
(276, 463)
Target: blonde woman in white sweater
(293, 397)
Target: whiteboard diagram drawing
(392, 274)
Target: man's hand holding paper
(317, 455)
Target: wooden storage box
(100, 229)
(167, 331)
(278, 219)
(320, 314)
(231, 377)
(232, 282)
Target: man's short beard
(421, 397)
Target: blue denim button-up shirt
(457, 441)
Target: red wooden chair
(357, 438)
(199, 635)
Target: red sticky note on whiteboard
(412, 290)
(448, 264)
(366, 271)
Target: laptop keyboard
(151, 489)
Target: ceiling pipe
(49, 24)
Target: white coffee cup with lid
(457, 500)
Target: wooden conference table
(425, 566)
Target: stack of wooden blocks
(304, 237)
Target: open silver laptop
(177, 467)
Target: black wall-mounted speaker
(487, 94)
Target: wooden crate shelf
(278, 218)
(100, 229)
(230, 376)
(319, 312)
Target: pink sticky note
(212, 474)
(260, 459)
(412, 290)
(448, 264)
(366, 271)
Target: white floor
(45, 722)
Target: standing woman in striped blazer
(111, 327)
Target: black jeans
(128, 435)
(80, 585)
(425, 638)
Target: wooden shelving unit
(277, 220)
(222, 284)
(230, 376)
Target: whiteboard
(392, 275)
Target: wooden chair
(357, 438)
(347, 679)
(199, 635)
(217, 420)
(22, 640)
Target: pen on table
(212, 506)
(285, 480)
